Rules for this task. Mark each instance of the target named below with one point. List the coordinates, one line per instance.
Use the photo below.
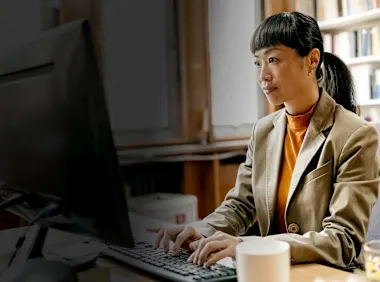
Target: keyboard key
(206, 276)
(184, 273)
(231, 272)
(221, 273)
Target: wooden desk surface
(117, 272)
(311, 272)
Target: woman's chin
(275, 101)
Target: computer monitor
(55, 136)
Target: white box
(171, 208)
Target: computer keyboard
(172, 268)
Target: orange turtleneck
(295, 133)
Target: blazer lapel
(274, 150)
(321, 120)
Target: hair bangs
(279, 29)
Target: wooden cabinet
(210, 181)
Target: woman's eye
(271, 60)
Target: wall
(237, 101)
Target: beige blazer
(332, 191)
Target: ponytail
(337, 80)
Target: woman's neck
(302, 103)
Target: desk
(110, 271)
(299, 273)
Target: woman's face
(282, 74)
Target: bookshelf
(373, 60)
(351, 30)
(373, 102)
(351, 22)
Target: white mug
(263, 260)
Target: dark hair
(301, 32)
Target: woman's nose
(264, 75)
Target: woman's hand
(182, 236)
(211, 250)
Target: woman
(311, 173)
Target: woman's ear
(313, 59)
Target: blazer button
(293, 228)
(292, 261)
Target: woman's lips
(270, 90)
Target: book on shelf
(376, 84)
(331, 9)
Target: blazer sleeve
(237, 212)
(354, 194)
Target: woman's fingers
(211, 258)
(213, 249)
(192, 256)
(217, 237)
(205, 247)
(218, 256)
(195, 254)
(210, 248)
(166, 241)
(193, 246)
(165, 234)
(183, 236)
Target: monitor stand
(32, 245)
(28, 263)
(28, 254)
(29, 243)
